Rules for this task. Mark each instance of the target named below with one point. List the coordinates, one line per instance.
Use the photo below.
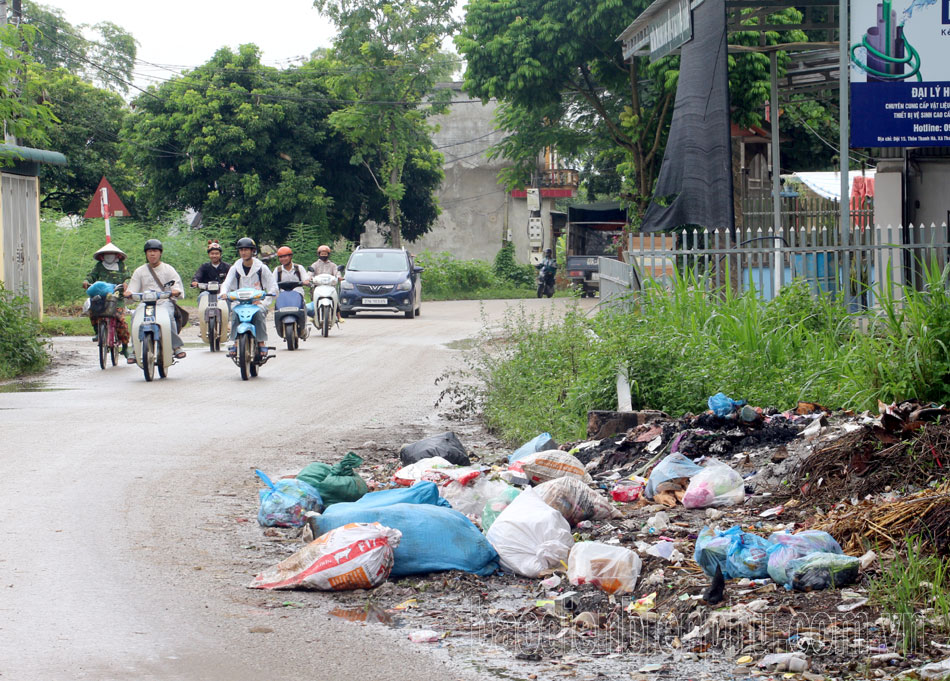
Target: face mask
(110, 258)
(324, 258)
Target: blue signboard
(900, 73)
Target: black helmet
(247, 242)
(548, 251)
(153, 245)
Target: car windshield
(378, 261)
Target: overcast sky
(188, 34)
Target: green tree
(392, 51)
(107, 59)
(237, 140)
(22, 108)
(90, 120)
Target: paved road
(124, 549)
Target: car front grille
(374, 289)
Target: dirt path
(118, 542)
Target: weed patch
(21, 350)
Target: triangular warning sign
(114, 205)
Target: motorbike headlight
(346, 285)
(404, 286)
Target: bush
(507, 269)
(21, 350)
(445, 275)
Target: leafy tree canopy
(238, 140)
(22, 108)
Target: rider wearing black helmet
(156, 275)
(249, 272)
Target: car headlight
(404, 286)
(346, 285)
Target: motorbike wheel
(325, 324)
(290, 335)
(212, 334)
(148, 357)
(103, 342)
(245, 356)
(540, 290)
(160, 360)
(549, 292)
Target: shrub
(507, 269)
(21, 350)
(445, 275)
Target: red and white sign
(106, 203)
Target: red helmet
(284, 250)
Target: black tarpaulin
(600, 211)
(696, 175)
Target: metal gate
(617, 281)
(21, 271)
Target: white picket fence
(876, 257)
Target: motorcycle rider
(547, 269)
(110, 267)
(288, 268)
(144, 279)
(249, 272)
(215, 270)
(324, 265)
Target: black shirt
(208, 273)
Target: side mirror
(341, 270)
(310, 269)
(418, 269)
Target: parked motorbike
(326, 302)
(290, 317)
(545, 280)
(249, 354)
(152, 334)
(212, 317)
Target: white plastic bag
(435, 469)
(715, 485)
(470, 497)
(354, 556)
(552, 464)
(530, 536)
(613, 569)
(575, 500)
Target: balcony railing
(558, 177)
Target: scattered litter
(612, 568)
(424, 636)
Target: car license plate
(375, 301)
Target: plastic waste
(420, 493)
(445, 445)
(423, 636)
(355, 556)
(470, 497)
(551, 464)
(338, 482)
(657, 523)
(539, 443)
(613, 569)
(713, 547)
(434, 469)
(786, 547)
(747, 557)
(717, 484)
(434, 538)
(284, 503)
(530, 536)
(627, 490)
(100, 288)
(673, 466)
(781, 662)
(721, 405)
(822, 571)
(575, 500)
(495, 506)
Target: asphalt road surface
(124, 503)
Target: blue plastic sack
(421, 493)
(748, 557)
(434, 538)
(284, 503)
(671, 467)
(721, 405)
(787, 547)
(100, 288)
(712, 549)
(540, 443)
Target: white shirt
(297, 271)
(142, 280)
(259, 277)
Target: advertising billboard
(900, 73)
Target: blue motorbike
(290, 316)
(249, 354)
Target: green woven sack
(338, 482)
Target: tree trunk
(395, 233)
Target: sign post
(106, 203)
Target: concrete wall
(928, 200)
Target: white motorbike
(326, 302)
(152, 335)
(213, 318)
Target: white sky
(186, 35)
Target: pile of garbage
(697, 529)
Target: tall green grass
(681, 345)
(447, 277)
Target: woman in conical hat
(110, 268)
